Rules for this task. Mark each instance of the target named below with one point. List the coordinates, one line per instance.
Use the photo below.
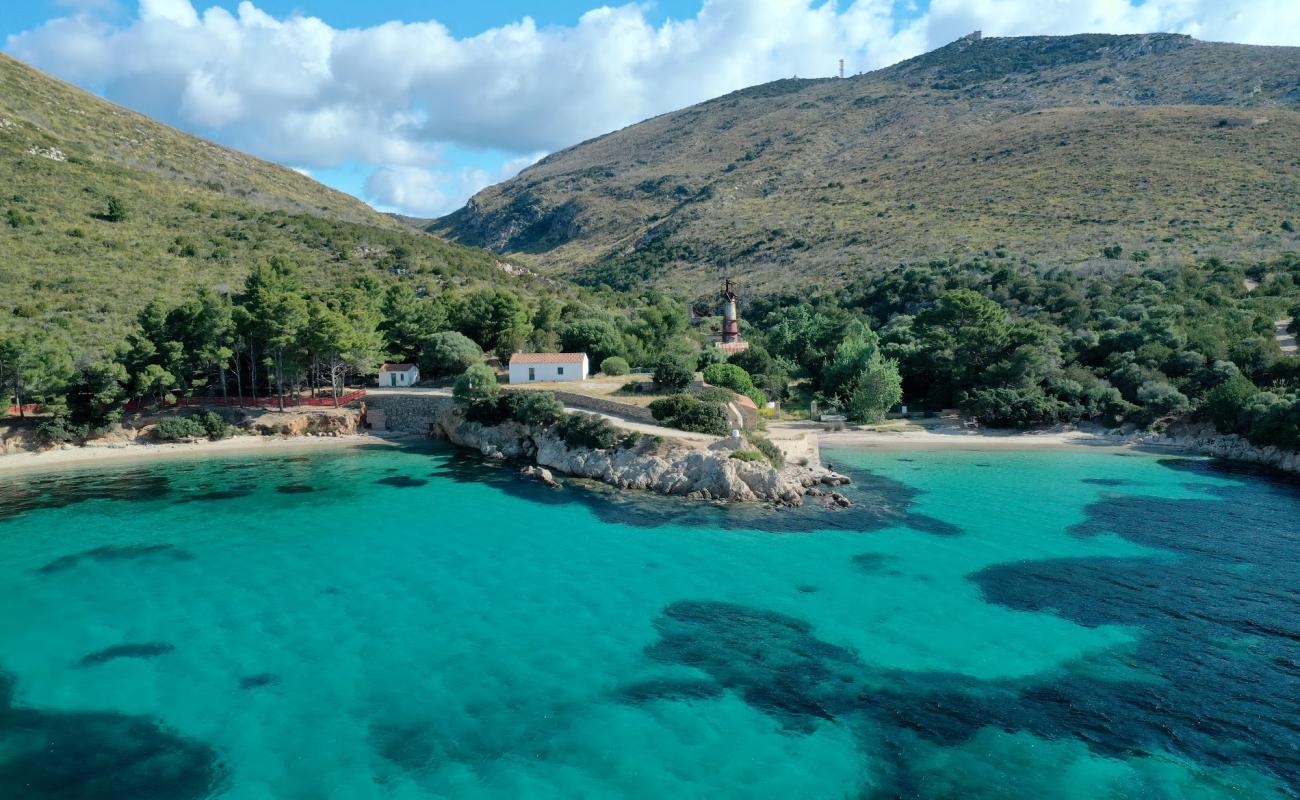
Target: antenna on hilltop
(841, 68)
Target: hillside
(195, 213)
(1052, 150)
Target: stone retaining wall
(414, 414)
(604, 405)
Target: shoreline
(59, 459)
(926, 439)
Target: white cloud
(299, 91)
(428, 192)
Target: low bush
(532, 408)
(714, 394)
(770, 451)
(615, 365)
(708, 418)
(687, 412)
(748, 456)
(214, 425)
(173, 428)
(672, 375)
(587, 430)
(669, 408)
(61, 430)
(632, 439)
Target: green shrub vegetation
(533, 408)
(209, 424)
(733, 377)
(771, 452)
(747, 455)
(671, 375)
(614, 366)
(448, 353)
(1012, 345)
(689, 413)
(587, 430)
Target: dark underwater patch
(806, 589)
(874, 563)
(1219, 619)
(233, 492)
(1106, 481)
(133, 650)
(402, 481)
(111, 553)
(678, 689)
(258, 680)
(771, 660)
(295, 488)
(59, 491)
(413, 746)
(72, 755)
(1193, 705)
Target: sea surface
(386, 622)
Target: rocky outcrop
(655, 466)
(1203, 439)
(328, 422)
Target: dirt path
(1285, 339)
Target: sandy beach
(950, 435)
(926, 435)
(107, 455)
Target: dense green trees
(1011, 345)
(33, 368)
(495, 318)
(596, 337)
(448, 353)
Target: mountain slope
(195, 214)
(1051, 149)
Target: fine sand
(94, 456)
(945, 434)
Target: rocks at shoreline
(662, 467)
(1204, 439)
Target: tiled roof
(547, 358)
(397, 368)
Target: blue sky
(414, 106)
(463, 17)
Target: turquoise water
(409, 623)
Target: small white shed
(399, 375)
(536, 367)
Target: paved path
(631, 425)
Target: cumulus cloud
(432, 192)
(299, 91)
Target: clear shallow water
(408, 624)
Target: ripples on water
(357, 625)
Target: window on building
(532, 373)
(559, 371)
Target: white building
(399, 375)
(535, 367)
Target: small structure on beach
(399, 375)
(535, 367)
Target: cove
(420, 624)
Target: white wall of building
(549, 371)
(407, 378)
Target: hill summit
(1073, 152)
